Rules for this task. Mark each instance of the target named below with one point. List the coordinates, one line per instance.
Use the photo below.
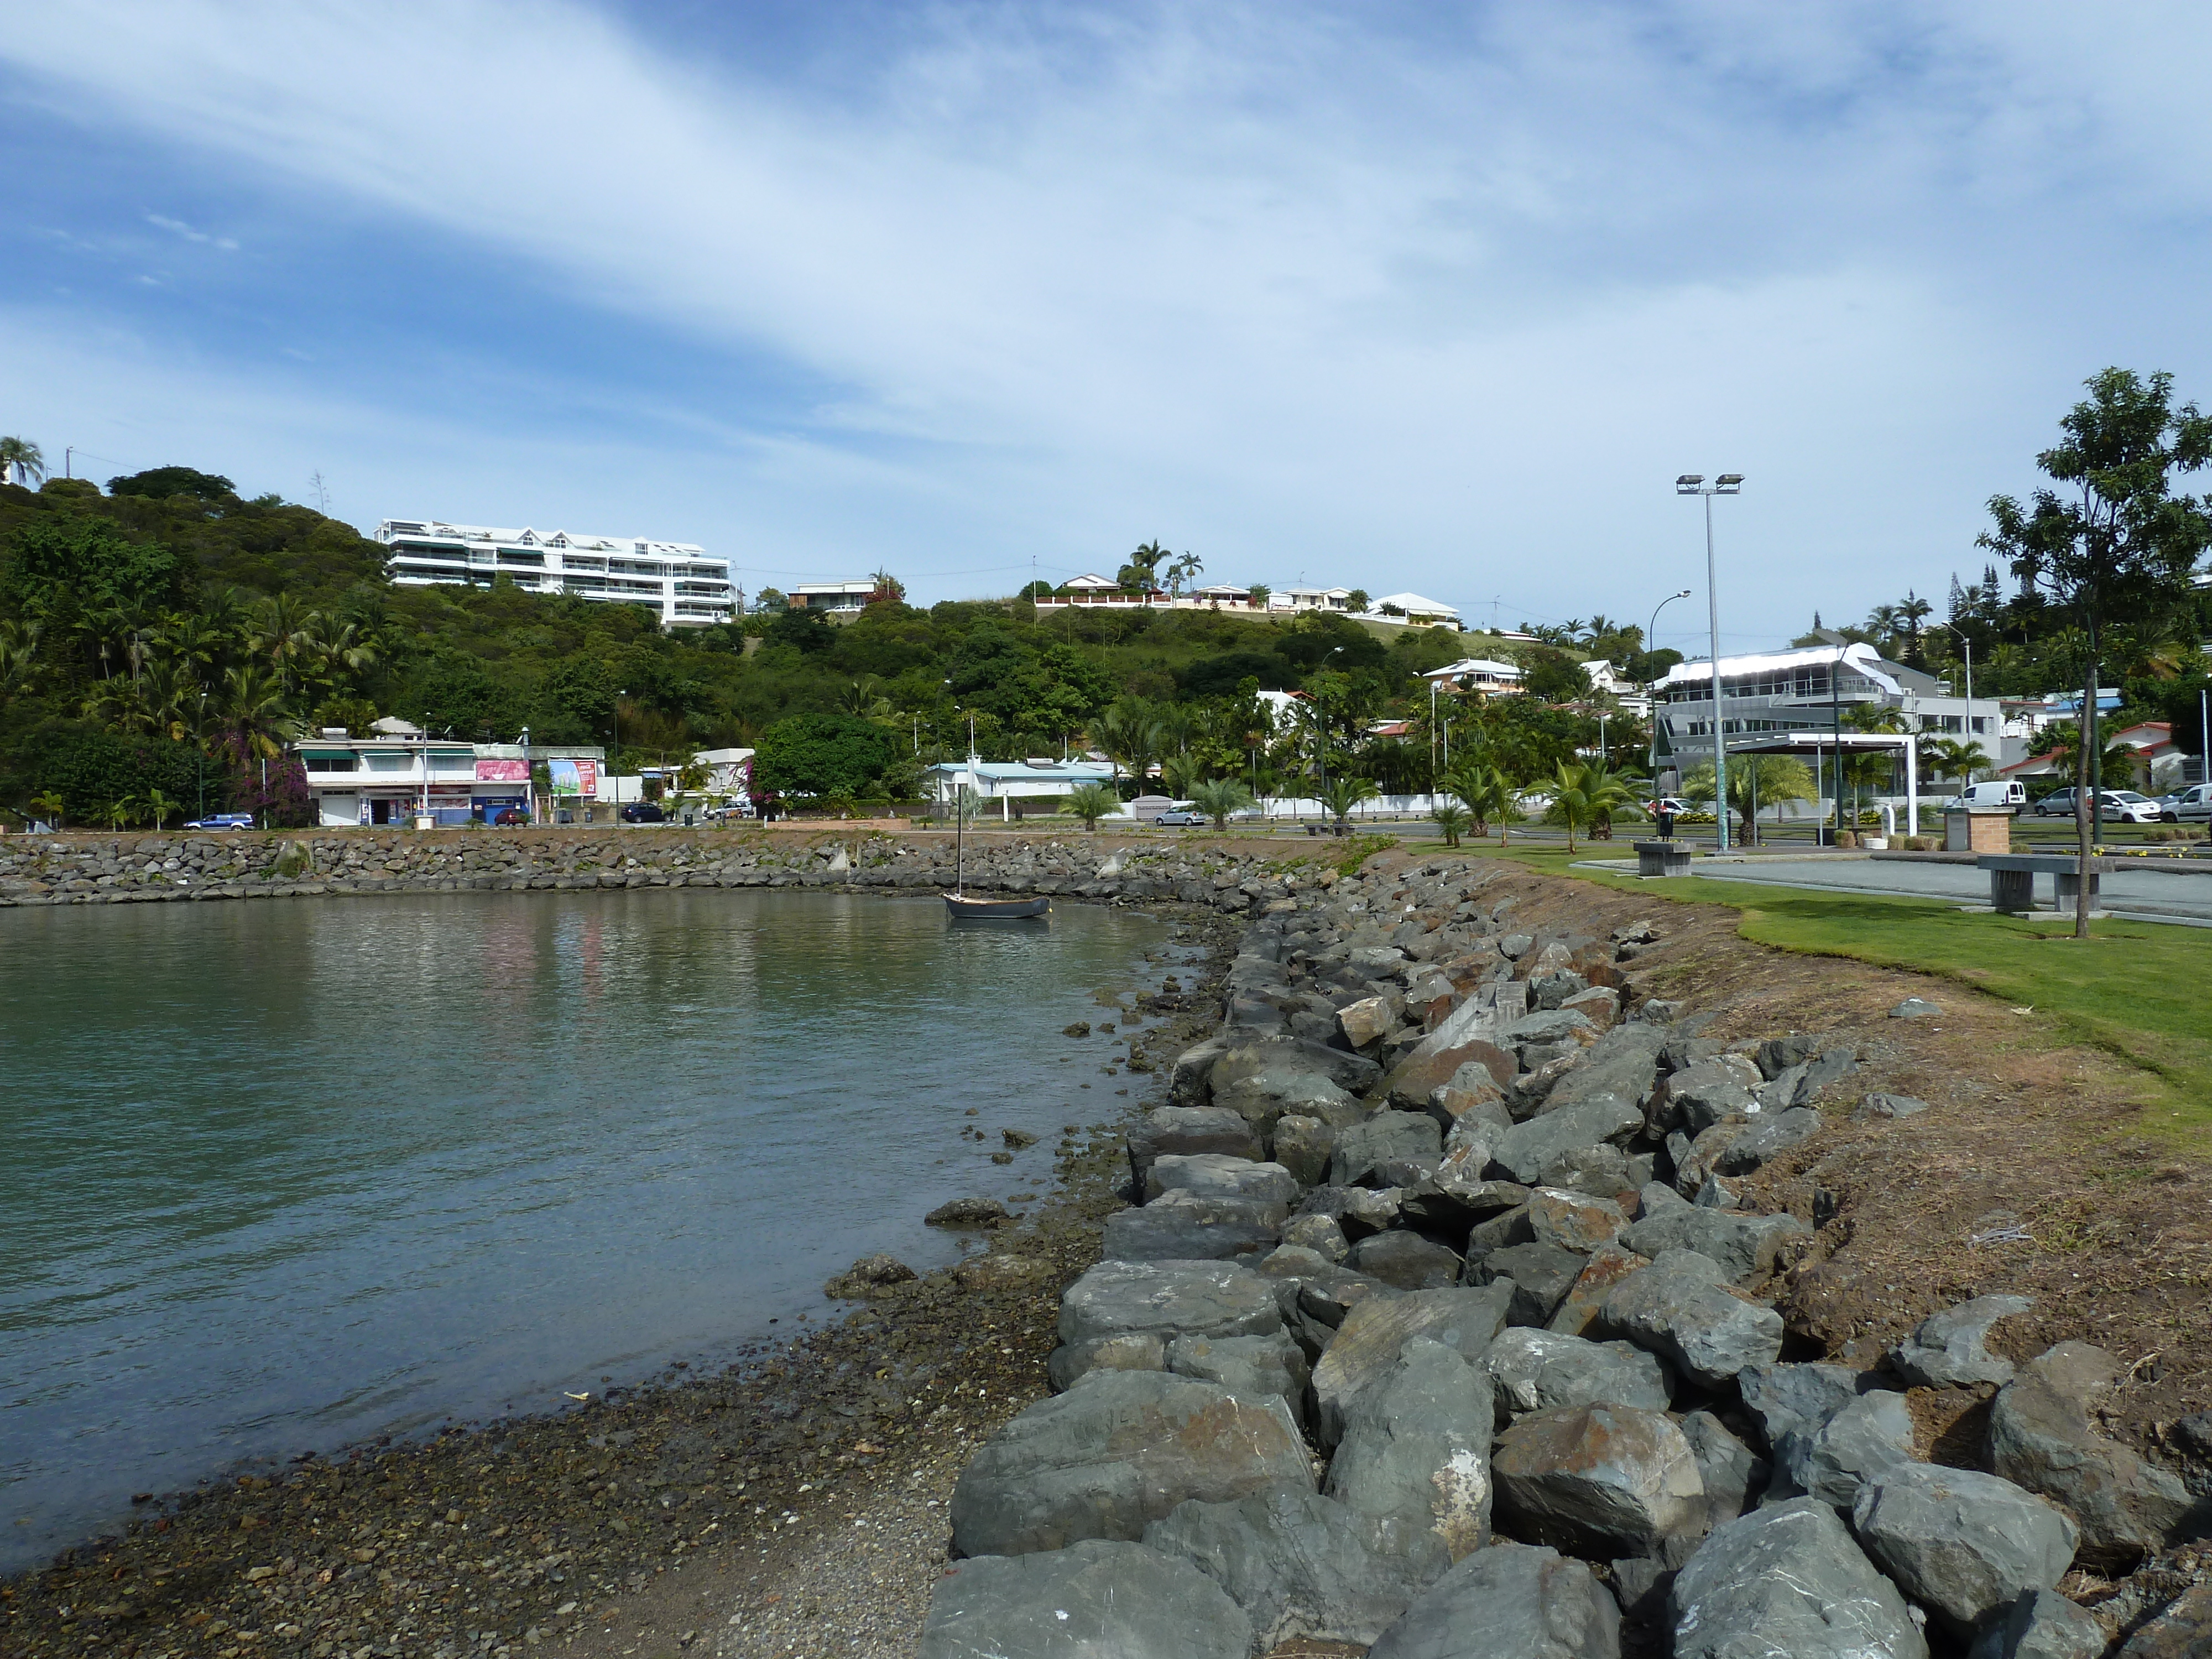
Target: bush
(823, 755)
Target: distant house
(1091, 588)
(1311, 598)
(1222, 594)
(1091, 582)
(1480, 675)
(2157, 759)
(832, 596)
(1415, 609)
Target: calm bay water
(282, 1175)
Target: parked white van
(2011, 793)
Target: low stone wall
(194, 866)
(1444, 1321)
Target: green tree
(1754, 782)
(1452, 818)
(2118, 544)
(1090, 802)
(1220, 797)
(1344, 793)
(1587, 793)
(1947, 757)
(162, 482)
(1260, 593)
(1358, 599)
(1487, 794)
(824, 755)
(24, 454)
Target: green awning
(326, 754)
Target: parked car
(724, 814)
(223, 821)
(2117, 806)
(643, 811)
(2010, 791)
(510, 817)
(1667, 804)
(2190, 805)
(1181, 816)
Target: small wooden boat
(964, 908)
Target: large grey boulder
(1215, 1174)
(1386, 1138)
(1182, 1226)
(1319, 1233)
(1798, 1399)
(1092, 1599)
(1572, 1220)
(1349, 1072)
(1743, 1244)
(1189, 1130)
(1541, 1275)
(1414, 1460)
(1578, 1310)
(1787, 1580)
(1765, 1137)
(1867, 1439)
(1597, 1481)
(1407, 1261)
(1946, 1351)
(1249, 1367)
(1120, 1315)
(2183, 1631)
(2042, 1437)
(1683, 1308)
(1374, 1331)
(1298, 1564)
(1623, 1063)
(1526, 1150)
(1264, 1082)
(1187, 1079)
(1552, 1026)
(1303, 1145)
(1699, 1096)
(1116, 1453)
(2044, 1626)
(1963, 1544)
(1538, 1370)
(1735, 1477)
(1511, 1601)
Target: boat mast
(959, 831)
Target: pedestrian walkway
(2183, 894)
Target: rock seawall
(192, 867)
(1460, 1206)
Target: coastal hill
(165, 629)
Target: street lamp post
(1728, 483)
(1967, 726)
(1650, 644)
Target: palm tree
(864, 697)
(1092, 802)
(1180, 570)
(1130, 733)
(18, 651)
(279, 631)
(1947, 757)
(49, 806)
(1452, 819)
(1343, 793)
(161, 807)
(1183, 775)
(1219, 799)
(1587, 793)
(1912, 612)
(23, 453)
(120, 813)
(255, 708)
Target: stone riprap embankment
(195, 867)
(1440, 1325)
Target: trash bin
(1666, 822)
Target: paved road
(2152, 895)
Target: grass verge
(2133, 990)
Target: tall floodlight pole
(1728, 483)
(1651, 644)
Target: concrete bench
(2012, 877)
(1662, 858)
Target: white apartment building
(1808, 689)
(676, 578)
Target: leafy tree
(1587, 793)
(1555, 677)
(1754, 781)
(64, 565)
(1142, 574)
(1356, 599)
(808, 630)
(162, 482)
(1261, 593)
(1452, 818)
(24, 455)
(1343, 793)
(1090, 802)
(824, 755)
(2118, 544)
(1220, 797)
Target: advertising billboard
(502, 771)
(573, 777)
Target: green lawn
(2136, 989)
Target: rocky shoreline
(1448, 1322)
(202, 868)
(499, 1538)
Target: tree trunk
(2085, 729)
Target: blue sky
(1399, 297)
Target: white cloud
(178, 228)
(1284, 286)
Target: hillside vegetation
(166, 638)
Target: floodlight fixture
(1688, 482)
(1729, 483)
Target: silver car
(2190, 805)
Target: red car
(510, 817)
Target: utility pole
(1728, 483)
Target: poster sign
(573, 777)
(502, 771)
